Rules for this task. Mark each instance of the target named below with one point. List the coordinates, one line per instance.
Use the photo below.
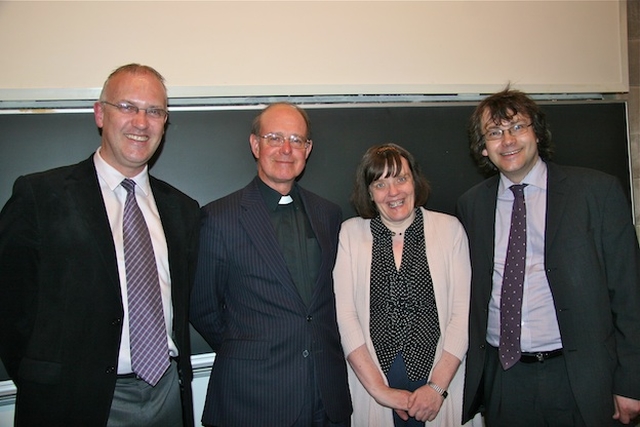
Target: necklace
(398, 228)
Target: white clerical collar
(285, 200)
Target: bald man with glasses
(263, 297)
(96, 265)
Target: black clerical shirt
(297, 240)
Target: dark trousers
(397, 378)
(529, 394)
(313, 413)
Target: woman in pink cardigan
(402, 280)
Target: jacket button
(309, 318)
(305, 353)
(116, 322)
(110, 369)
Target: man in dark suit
(263, 296)
(575, 360)
(65, 273)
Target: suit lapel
(83, 190)
(170, 218)
(255, 219)
(486, 214)
(175, 233)
(557, 191)
(172, 227)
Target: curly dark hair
(375, 161)
(502, 106)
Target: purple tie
(513, 281)
(147, 332)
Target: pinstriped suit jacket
(246, 305)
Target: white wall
(65, 49)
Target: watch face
(439, 389)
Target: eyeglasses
(496, 134)
(278, 139)
(130, 110)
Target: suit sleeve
(622, 263)
(19, 241)
(208, 295)
(461, 210)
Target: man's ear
(254, 143)
(308, 149)
(98, 113)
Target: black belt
(134, 375)
(539, 356)
(128, 376)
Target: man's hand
(626, 409)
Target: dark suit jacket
(593, 267)
(246, 305)
(60, 301)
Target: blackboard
(206, 153)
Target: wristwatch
(442, 392)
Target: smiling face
(130, 140)
(514, 156)
(278, 167)
(394, 196)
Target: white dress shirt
(114, 196)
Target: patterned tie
(148, 338)
(512, 282)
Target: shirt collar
(272, 197)
(537, 177)
(113, 177)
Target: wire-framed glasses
(495, 134)
(278, 139)
(130, 109)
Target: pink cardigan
(448, 257)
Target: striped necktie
(147, 332)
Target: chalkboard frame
(206, 151)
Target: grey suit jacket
(60, 300)
(246, 305)
(592, 262)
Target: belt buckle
(540, 356)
